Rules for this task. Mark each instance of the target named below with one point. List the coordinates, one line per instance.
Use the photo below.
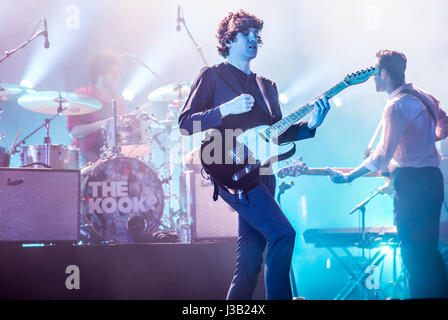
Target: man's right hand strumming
(240, 104)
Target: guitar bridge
(245, 171)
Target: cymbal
(164, 124)
(174, 91)
(48, 102)
(9, 91)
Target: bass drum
(121, 201)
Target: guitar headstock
(293, 170)
(360, 76)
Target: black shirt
(223, 82)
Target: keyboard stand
(357, 278)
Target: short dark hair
(239, 21)
(101, 62)
(393, 62)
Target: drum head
(61, 157)
(122, 199)
(132, 135)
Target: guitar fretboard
(281, 126)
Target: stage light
(43, 62)
(283, 98)
(304, 207)
(27, 83)
(128, 94)
(309, 85)
(337, 101)
(386, 250)
(158, 60)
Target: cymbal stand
(163, 166)
(114, 148)
(47, 140)
(179, 178)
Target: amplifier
(211, 220)
(39, 205)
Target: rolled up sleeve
(393, 127)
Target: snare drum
(132, 135)
(121, 200)
(61, 157)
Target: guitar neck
(324, 172)
(298, 170)
(281, 126)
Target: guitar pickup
(245, 171)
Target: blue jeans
(261, 224)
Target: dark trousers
(261, 224)
(417, 204)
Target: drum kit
(123, 194)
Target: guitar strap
(423, 100)
(391, 175)
(263, 93)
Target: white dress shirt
(409, 134)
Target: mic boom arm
(198, 47)
(31, 38)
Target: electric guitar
(301, 168)
(237, 166)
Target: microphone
(45, 33)
(179, 19)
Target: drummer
(105, 72)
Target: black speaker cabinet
(39, 205)
(210, 219)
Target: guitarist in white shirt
(412, 122)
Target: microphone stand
(362, 208)
(282, 188)
(198, 47)
(149, 69)
(11, 52)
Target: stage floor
(172, 271)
